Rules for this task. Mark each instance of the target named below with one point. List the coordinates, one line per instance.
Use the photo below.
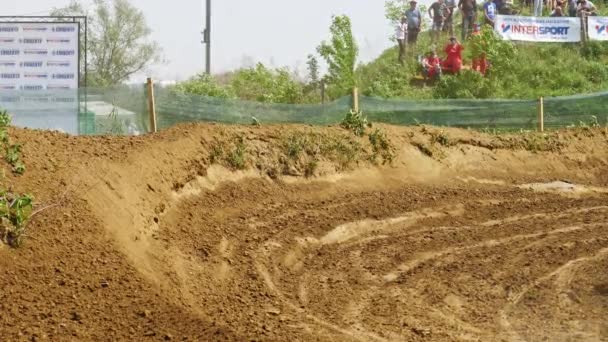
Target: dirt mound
(209, 232)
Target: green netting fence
(124, 110)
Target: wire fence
(124, 110)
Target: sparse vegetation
(356, 122)
(12, 152)
(381, 146)
(441, 138)
(236, 157)
(304, 150)
(233, 153)
(15, 209)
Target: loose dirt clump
(209, 232)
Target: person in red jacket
(453, 61)
(431, 66)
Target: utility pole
(207, 38)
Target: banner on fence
(598, 28)
(538, 29)
(38, 56)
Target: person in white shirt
(401, 35)
(586, 8)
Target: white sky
(275, 32)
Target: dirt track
(150, 241)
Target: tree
(313, 70)
(118, 40)
(394, 10)
(340, 53)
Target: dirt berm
(295, 233)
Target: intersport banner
(538, 29)
(38, 56)
(598, 28)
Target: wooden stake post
(151, 106)
(541, 115)
(356, 100)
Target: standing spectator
(468, 8)
(436, 12)
(453, 61)
(538, 8)
(572, 7)
(431, 66)
(586, 8)
(414, 20)
(401, 34)
(489, 11)
(448, 24)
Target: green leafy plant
(12, 152)
(355, 122)
(501, 53)
(15, 211)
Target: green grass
(539, 69)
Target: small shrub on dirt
(237, 158)
(346, 152)
(441, 138)
(12, 152)
(294, 145)
(303, 150)
(15, 211)
(311, 167)
(232, 154)
(381, 146)
(355, 122)
(216, 153)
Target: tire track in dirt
(561, 276)
(492, 243)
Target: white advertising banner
(38, 56)
(598, 28)
(538, 29)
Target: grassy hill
(538, 69)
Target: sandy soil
(482, 238)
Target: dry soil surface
(471, 237)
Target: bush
(355, 122)
(467, 84)
(266, 85)
(204, 85)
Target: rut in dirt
(482, 240)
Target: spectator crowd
(442, 16)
